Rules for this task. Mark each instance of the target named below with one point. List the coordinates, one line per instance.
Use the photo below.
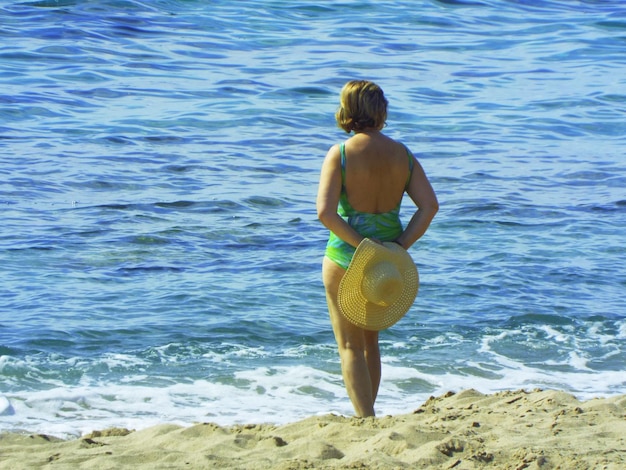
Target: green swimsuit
(384, 227)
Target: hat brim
(352, 303)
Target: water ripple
(159, 169)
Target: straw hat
(379, 286)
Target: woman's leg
(372, 357)
(351, 341)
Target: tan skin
(376, 175)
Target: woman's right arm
(328, 194)
(423, 195)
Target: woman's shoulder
(398, 147)
(392, 143)
(334, 154)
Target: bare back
(377, 170)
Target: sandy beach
(466, 430)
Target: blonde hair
(363, 106)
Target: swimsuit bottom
(385, 227)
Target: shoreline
(465, 430)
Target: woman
(362, 183)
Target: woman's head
(363, 106)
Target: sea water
(160, 252)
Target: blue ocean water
(160, 250)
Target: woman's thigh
(346, 333)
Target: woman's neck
(368, 131)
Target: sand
(467, 430)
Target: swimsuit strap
(342, 151)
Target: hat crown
(382, 284)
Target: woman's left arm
(423, 195)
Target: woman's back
(376, 172)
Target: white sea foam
(267, 394)
(553, 334)
(6, 409)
